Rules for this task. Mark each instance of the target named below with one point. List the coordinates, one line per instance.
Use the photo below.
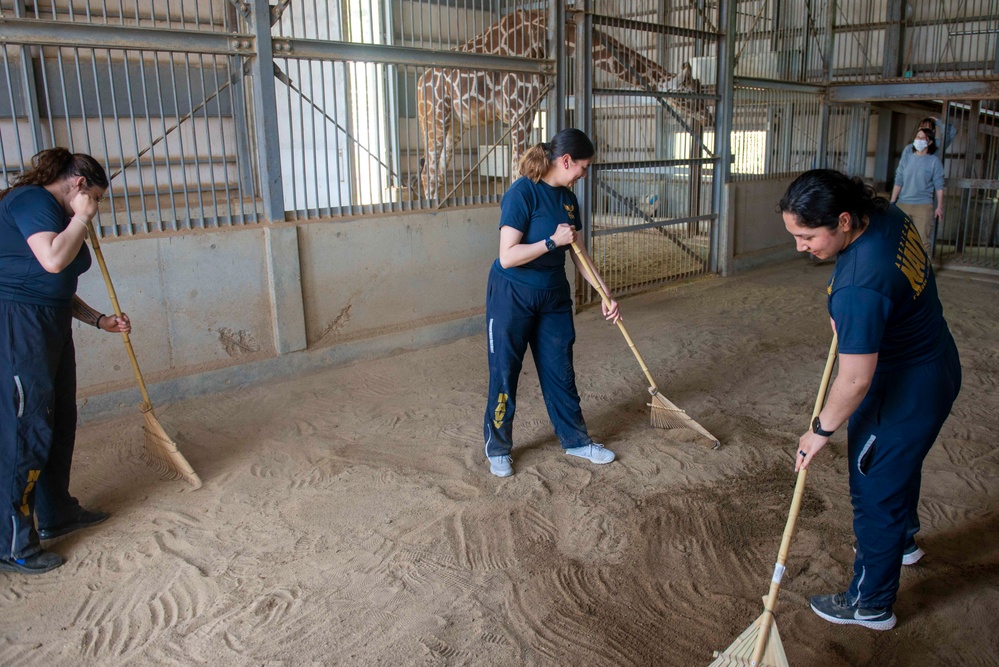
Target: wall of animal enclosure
(207, 315)
(755, 233)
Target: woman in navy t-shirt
(899, 374)
(43, 223)
(528, 302)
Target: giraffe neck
(627, 64)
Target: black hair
(818, 197)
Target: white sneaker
(912, 555)
(501, 466)
(593, 453)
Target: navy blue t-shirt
(27, 210)
(883, 295)
(536, 210)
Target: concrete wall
(211, 310)
(755, 231)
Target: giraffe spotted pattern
(451, 100)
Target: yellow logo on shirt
(911, 258)
(570, 210)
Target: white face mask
(920, 144)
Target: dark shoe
(836, 609)
(43, 561)
(83, 519)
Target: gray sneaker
(593, 453)
(501, 466)
(837, 609)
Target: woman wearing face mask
(918, 179)
(528, 301)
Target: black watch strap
(818, 430)
(550, 244)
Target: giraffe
(451, 100)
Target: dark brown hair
(570, 141)
(818, 197)
(54, 164)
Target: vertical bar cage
(653, 104)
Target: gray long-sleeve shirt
(919, 176)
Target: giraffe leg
(434, 165)
(434, 116)
(424, 116)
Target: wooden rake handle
(766, 619)
(591, 273)
(147, 405)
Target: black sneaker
(836, 609)
(82, 519)
(43, 561)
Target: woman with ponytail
(43, 222)
(528, 302)
(899, 374)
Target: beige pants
(922, 218)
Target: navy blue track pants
(518, 316)
(889, 436)
(37, 422)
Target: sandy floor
(347, 516)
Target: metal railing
(157, 97)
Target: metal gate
(968, 237)
(646, 92)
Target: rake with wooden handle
(160, 452)
(760, 643)
(664, 413)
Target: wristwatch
(550, 244)
(817, 428)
